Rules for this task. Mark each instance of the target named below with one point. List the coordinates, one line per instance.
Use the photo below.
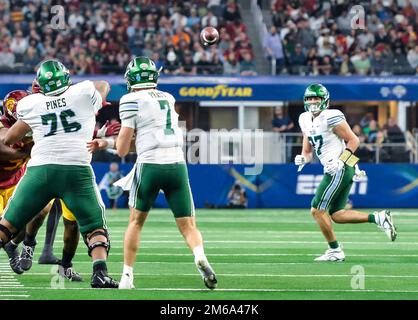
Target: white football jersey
(158, 136)
(319, 131)
(61, 125)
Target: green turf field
(257, 254)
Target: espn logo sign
(307, 184)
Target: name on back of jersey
(55, 104)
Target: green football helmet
(53, 77)
(141, 73)
(316, 90)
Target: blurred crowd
(382, 142)
(313, 37)
(102, 36)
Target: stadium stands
(100, 37)
(386, 44)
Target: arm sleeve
(128, 113)
(335, 118)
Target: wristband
(349, 158)
(110, 143)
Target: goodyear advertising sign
(259, 88)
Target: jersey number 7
(53, 118)
(163, 105)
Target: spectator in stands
(361, 63)
(365, 151)
(210, 20)
(413, 58)
(193, 19)
(379, 63)
(325, 43)
(203, 65)
(326, 66)
(393, 132)
(365, 39)
(31, 60)
(231, 65)
(400, 63)
(187, 66)
(231, 12)
(247, 67)
(346, 67)
(216, 66)
(372, 130)
(365, 120)
(297, 61)
(281, 122)
(7, 59)
(273, 47)
(304, 36)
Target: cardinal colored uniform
(60, 163)
(10, 173)
(160, 164)
(332, 193)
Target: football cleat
(333, 255)
(69, 273)
(101, 280)
(126, 282)
(14, 258)
(207, 273)
(26, 257)
(384, 221)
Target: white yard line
(239, 290)
(271, 242)
(9, 281)
(267, 255)
(255, 275)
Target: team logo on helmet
(48, 74)
(10, 105)
(143, 66)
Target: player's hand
(108, 130)
(333, 166)
(358, 174)
(106, 104)
(300, 160)
(96, 145)
(112, 129)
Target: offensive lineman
(23, 262)
(62, 118)
(328, 132)
(149, 114)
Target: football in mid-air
(209, 36)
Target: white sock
(128, 270)
(199, 253)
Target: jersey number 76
(53, 119)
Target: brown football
(209, 36)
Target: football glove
(358, 174)
(108, 130)
(333, 166)
(300, 160)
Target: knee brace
(96, 244)
(9, 235)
